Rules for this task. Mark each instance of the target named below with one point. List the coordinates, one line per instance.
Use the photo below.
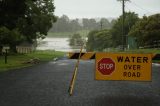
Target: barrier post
(74, 74)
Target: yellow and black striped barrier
(91, 55)
(83, 56)
(156, 57)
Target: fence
(21, 49)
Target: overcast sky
(104, 8)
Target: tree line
(144, 31)
(65, 24)
(24, 21)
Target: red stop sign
(106, 66)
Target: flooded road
(57, 44)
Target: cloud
(104, 8)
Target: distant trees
(105, 24)
(64, 24)
(74, 25)
(89, 24)
(24, 20)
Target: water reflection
(58, 44)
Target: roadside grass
(154, 51)
(17, 61)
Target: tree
(147, 30)
(105, 24)
(64, 24)
(91, 42)
(9, 38)
(29, 19)
(76, 40)
(10, 12)
(89, 24)
(4, 33)
(92, 24)
(99, 40)
(85, 22)
(37, 19)
(130, 19)
(75, 26)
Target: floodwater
(57, 44)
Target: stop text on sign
(106, 66)
(116, 66)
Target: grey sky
(104, 8)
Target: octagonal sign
(106, 66)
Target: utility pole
(101, 24)
(124, 37)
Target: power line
(138, 6)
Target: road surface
(47, 85)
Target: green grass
(18, 60)
(144, 51)
(154, 51)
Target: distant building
(26, 47)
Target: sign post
(121, 66)
(5, 50)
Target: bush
(76, 40)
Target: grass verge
(18, 60)
(154, 51)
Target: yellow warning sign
(121, 66)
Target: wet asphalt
(47, 85)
